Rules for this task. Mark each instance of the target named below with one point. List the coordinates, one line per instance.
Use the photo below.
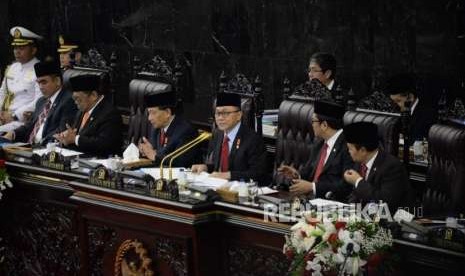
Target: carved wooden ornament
(132, 260)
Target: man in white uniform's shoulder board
(19, 90)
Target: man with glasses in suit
(235, 151)
(170, 131)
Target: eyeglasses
(313, 70)
(316, 121)
(225, 113)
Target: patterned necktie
(40, 121)
(321, 162)
(225, 154)
(162, 137)
(85, 118)
(363, 170)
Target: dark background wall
(274, 38)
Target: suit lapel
(235, 147)
(334, 152)
(378, 160)
(93, 116)
(315, 158)
(49, 115)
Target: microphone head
(349, 248)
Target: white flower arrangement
(322, 246)
(4, 178)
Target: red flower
(340, 224)
(304, 235)
(332, 238)
(290, 254)
(310, 256)
(2, 163)
(375, 259)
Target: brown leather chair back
(105, 83)
(445, 191)
(247, 108)
(295, 133)
(389, 126)
(139, 125)
(251, 99)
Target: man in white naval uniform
(19, 90)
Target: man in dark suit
(52, 112)
(378, 176)
(235, 151)
(98, 127)
(70, 52)
(322, 66)
(402, 91)
(322, 176)
(170, 132)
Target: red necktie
(162, 137)
(40, 121)
(224, 165)
(363, 170)
(321, 162)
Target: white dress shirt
(38, 137)
(232, 135)
(414, 105)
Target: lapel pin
(238, 143)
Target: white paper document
(204, 179)
(266, 191)
(62, 151)
(319, 202)
(155, 172)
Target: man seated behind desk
(170, 131)
(52, 112)
(323, 175)
(378, 175)
(98, 126)
(402, 91)
(235, 151)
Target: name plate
(165, 189)
(104, 177)
(56, 161)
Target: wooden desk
(54, 223)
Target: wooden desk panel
(63, 226)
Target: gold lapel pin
(238, 143)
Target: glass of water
(253, 192)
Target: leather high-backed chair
(251, 99)
(295, 134)
(93, 63)
(139, 125)
(156, 76)
(445, 192)
(105, 82)
(389, 126)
